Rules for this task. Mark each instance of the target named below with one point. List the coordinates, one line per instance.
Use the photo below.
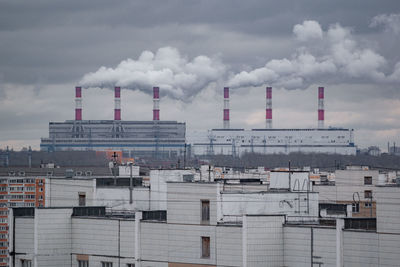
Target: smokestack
(78, 103)
(156, 103)
(321, 112)
(268, 110)
(117, 103)
(226, 107)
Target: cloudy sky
(191, 49)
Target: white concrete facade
(272, 141)
(255, 240)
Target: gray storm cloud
(321, 57)
(178, 77)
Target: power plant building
(236, 142)
(139, 138)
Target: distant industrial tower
(321, 112)
(226, 107)
(156, 103)
(268, 110)
(117, 103)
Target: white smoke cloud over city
(323, 56)
(326, 56)
(178, 76)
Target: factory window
(367, 194)
(26, 263)
(106, 264)
(367, 180)
(83, 263)
(205, 211)
(355, 207)
(205, 247)
(368, 204)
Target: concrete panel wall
(264, 240)
(388, 209)
(360, 249)
(325, 246)
(154, 241)
(100, 236)
(158, 185)
(389, 247)
(118, 198)
(184, 202)
(185, 243)
(53, 237)
(229, 245)
(297, 246)
(25, 235)
(292, 204)
(65, 192)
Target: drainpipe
(138, 218)
(339, 242)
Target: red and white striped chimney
(156, 103)
(78, 103)
(268, 108)
(321, 111)
(117, 103)
(226, 107)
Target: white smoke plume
(390, 22)
(333, 55)
(177, 76)
(322, 56)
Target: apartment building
(204, 224)
(353, 186)
(189, 233)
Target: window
(368, 204)
(83, 263)
(106, 264)
(205, 211)
(368, 194)
(26, 263)
(355, 207)
(130, 265)
(205, 247)
(82, 199)
(367, 180)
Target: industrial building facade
(236, 142)
(137, 137)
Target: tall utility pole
(130, 184)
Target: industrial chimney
(268, 110)
(78, 103)
(156, 103)
(226, 107)
(117, 103)
(321, 112)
